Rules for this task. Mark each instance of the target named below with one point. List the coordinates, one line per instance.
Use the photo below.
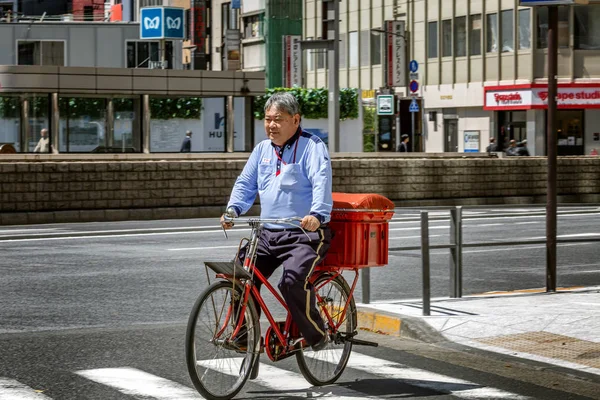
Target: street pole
(412, 130)
(552, 149)
(333, 33)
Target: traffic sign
(413, 76)
(162, 23)
(385, 104)
(414, 86)
(413, 66)
(414, 106)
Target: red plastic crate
(359, 223)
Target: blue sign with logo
(414, 66)
(162, 23)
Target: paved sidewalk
(561, 328)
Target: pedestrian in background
(492, 146)
(403, 147)
(512, 148)
(522, 149)
(186, 146)
(43, 145)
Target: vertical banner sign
(198, 32)
(292, 61)
(395, 53)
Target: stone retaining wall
(63, 191)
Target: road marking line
(412, 237)
(283, 380)
(204, 248)
(15, 390)
(513, 248)
(419, 228)
(422, 378)
(134, 382)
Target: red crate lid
(361, 201)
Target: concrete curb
(397, 325)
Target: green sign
(385, 104)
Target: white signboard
(292, 61)
(395, 53)
(537, 97)
(471, 141)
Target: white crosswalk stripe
(283, 380)
(138, 383)
(422, 378)
(15, 390)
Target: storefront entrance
(512, 125)
(451, 135)
(569, 132)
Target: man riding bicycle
(291, 172)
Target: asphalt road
(87, 297)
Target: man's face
(44, 133)
(280, 126)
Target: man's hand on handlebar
(226, 219)
(310, 223)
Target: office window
(321, 55)
(447, 38)
(375, 48)
(342, 51)
(432, 38)
(253, 26)
(508, 37)
(225, 7)
(310, 61)
(563, 27)
(460, 36)
(143, 53)
(492, 33)
(587, 22)
(353, 49)
(365, 55)
(41, 53)
(475, 25)
(524, 29)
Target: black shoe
(321, 344)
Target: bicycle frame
(250, 289)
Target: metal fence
(456, 247)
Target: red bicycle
(223, 339)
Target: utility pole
(551, 201)
(331, 42)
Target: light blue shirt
(301, 188)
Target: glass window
(475, 34)
(365, 56)
(375, 48)
(353, 49)
(542, 27)
(82, 127)
(140, 54)
(460, 36)
(432, 37)
(10, 121)
(342, 51)
(508, 37)
(321, 56)
(587, 27)
(492, 33)
(447, 38)
(37, 141)
(126, 127)
(170, 118)
(524, 29)
(570, 132)
(41, 53)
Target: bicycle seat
(227, 268)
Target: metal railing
(456, 247)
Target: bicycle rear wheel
(326, 366)
(219, 364)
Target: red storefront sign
(535, 96)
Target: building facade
(482, 68)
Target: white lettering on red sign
(511, 98)
(582, 95)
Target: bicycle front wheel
(218, 363)
(326, 366)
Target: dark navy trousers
(299, 255)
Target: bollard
(456, 252)
(365, 275)
(425, 263)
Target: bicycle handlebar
(261, 221)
